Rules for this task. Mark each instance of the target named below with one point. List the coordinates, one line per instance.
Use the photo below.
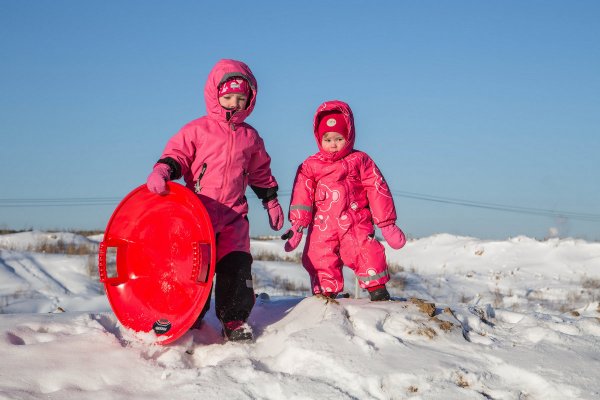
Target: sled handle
(201, 256)
(102, 262)
(102, 269)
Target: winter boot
(237, 331)
(378, 293)
(327, 297)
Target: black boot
(234, 295)
(379, 293)
(237, 331)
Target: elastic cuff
(268, 206)
(373, 288)
(299, 223)
(386, 223)
(173, 165)
(265, 194)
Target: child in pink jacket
(218, 156)
(338, 194)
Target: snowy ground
(514, 319)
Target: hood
(344, 108)
(223, 70)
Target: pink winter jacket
(335, 191)
(219, 155)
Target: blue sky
(487, 103)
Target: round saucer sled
(157, 261)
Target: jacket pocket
(198, 182)
(243, 186)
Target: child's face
(332, 142)
(233, 101)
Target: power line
(501, 207)
(113, 201)
(58, 202)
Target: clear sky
(493, 105)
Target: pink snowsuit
(219, 155)
(339, 196)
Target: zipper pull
(197, 186)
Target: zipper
(244, 180)
(347, 210)
(197, 186)
(227, 163)
(346, 186)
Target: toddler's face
(332, 142)
(233, 101)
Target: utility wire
(113, 201)
(501, 207)
(58, 202)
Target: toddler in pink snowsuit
(218, 156)
(338, 194)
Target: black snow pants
(234, 294)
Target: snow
(473, 319)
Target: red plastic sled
(165, 261)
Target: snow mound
(307, 348)
(472, 319)
(32, 240)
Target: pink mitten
(293, 236)
(393, 236)
(157, 180)
(275, 214)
